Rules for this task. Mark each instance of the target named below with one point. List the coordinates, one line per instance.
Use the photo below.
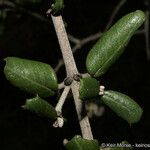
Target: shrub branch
(71, 70)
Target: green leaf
(31, 76)
(112, 43)
(89, 88)
(123, 106)
(78, 143)
(57, 6)
(40, 107)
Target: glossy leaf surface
(78, 143)
(123, 106)
(40, 107)
(31, 76)
(112, 43)
(89, 87)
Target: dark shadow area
(27, 37)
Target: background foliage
(31, 38)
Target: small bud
(58, 123)
(102, 88)
(77, 77)
(48, 12)
(68, 81)
(65, 141)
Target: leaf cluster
(40, 79)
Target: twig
(78, 44)
(62, 99)
(85, 75)
(60, 120)
(114, 13)
(71, 70)
(81, 42)
(84, 122)
(86, 40)
(59, 65)
(61, 86)
(73, 39)
(142, 31)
